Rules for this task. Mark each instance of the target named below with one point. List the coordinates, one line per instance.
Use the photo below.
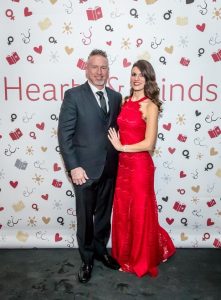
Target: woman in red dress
(139, 244)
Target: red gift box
(16, 134)
(184, 61)
(179, 207)
(81, 64)
(211, 203)
(214, 132)
(217, 243)
(13, 58)
(56, 183)
(216, 55)
(182, 138)
(94, 14)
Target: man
(87, 112)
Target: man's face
(97, 71)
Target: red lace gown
(139, 244)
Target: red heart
(1, 208)
(0, 136)
(169, 221)
(171, 150)
(45, 197)
(27, 12)
(209, 222)
(58, 238)
(38, 49)
(56, 167)
(126, 63)
(182, 174)
(13, 184)
(201, 27)
(40, 125)
(109, 43)
(0, 226)
(167, 126)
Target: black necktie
(102, 101)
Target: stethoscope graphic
(27, 193)
(12, 223)
(69, 9)
(210, 188)
(195, 175)
(112, 60)
(203, 10)
(26, 118)
(10, 150)
(196, 212)
(213, 40)
(197, 142)
(70, 243)
(155, 44)
(41, 235)
(167, 165)
(115, 14)
(211, 118)
(26, 39)
(87, 39)
(38, 165)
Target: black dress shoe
(109, 262)
(84, 273)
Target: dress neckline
(137, 101)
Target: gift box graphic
(217, 243)
(179, 207)
(81, 64)
(13, 58)
(16, 134)
(214, 132)
(216, 55)
(184, 61)
(94, 14)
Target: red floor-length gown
(139, 244)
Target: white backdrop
(44, 46)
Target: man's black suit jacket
(83, 129)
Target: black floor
(44, 274)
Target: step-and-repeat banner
(44, 47)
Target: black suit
(83, 141)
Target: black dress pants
(94, 201)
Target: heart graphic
(165, 198)
(57, 237)
(0, 226)
(183, 236)
(40, 126)
(45, 24)
(171, 150)
(182, 174)
(169, 49)
(45, 197)
(167, 126)
(46, 220)
(130, 26)
(14, 184)
(126, 63)
(0, 136)
(195, 188)
(38, 49)
(44, 149)
(1, 208)
(109, 43)
(201, 27)
(213, 151)
(218, 173)
(170, 221)
(197, 113)
(53, 1)
(68, 50)
(22, 236)
(56, 167)
(27, 12)
(210, 222)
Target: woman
(139, 244)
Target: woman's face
(137, 80)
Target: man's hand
(79, 176)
